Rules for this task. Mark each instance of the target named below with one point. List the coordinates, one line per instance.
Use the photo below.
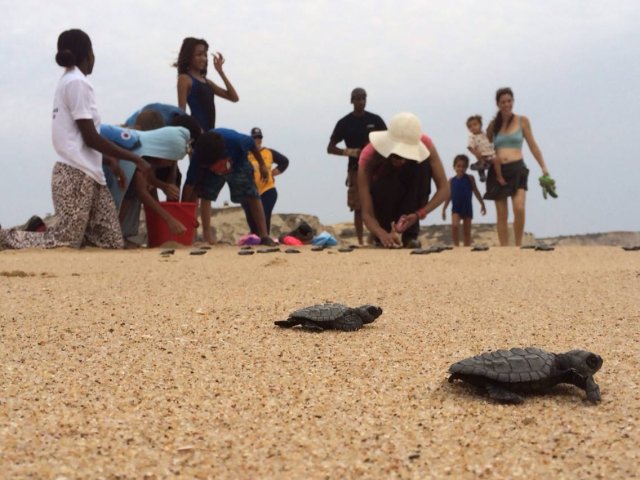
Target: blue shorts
(241, 183)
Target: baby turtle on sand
(504, 372)
(334, 316)
(480, 247)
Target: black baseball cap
(256, 132)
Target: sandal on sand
(548, 185)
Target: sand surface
(128, 365)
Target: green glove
(548, 185)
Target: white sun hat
(403, 138)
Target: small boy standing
(480, 146)
(462, 186)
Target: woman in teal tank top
(508, 175)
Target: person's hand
(218, 61)
(264, 173)
(483, 210)
(171, 191)
(390, 239)
(352, 152)
(405, 221)
(444, 214)
(119, 174)
(501, 181)
(176, 227)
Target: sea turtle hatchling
(504, 372)
(334, 316)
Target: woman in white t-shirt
(84, 207)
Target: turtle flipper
(502, 394)
(588, 384)
(593, 390)
(291, 322)
(348, 323)
(311, 326)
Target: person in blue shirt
(221, 156)
(166, 111)
(462, 185)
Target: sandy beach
(124, 364)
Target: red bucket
(158, 231)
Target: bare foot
(210, 236)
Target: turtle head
(368, 313)
(582, 362)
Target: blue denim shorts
(241, 184)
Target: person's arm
(171, 190)
(490, 133)
(476, 192)
(184, 87)
(264, 171)
(446, 203)
(142, 190)
(282, 163)
(476, 152)
(533, 146)
(442, 189)
(497, 166)
(336, 137)
(387, 239)
(94, 140)
(333, 149)
(112, 164)
(229, 92)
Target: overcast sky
(573, 66)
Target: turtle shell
(508, 366)
(326, 312)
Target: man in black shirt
(353, 129)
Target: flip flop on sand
(268, 250)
